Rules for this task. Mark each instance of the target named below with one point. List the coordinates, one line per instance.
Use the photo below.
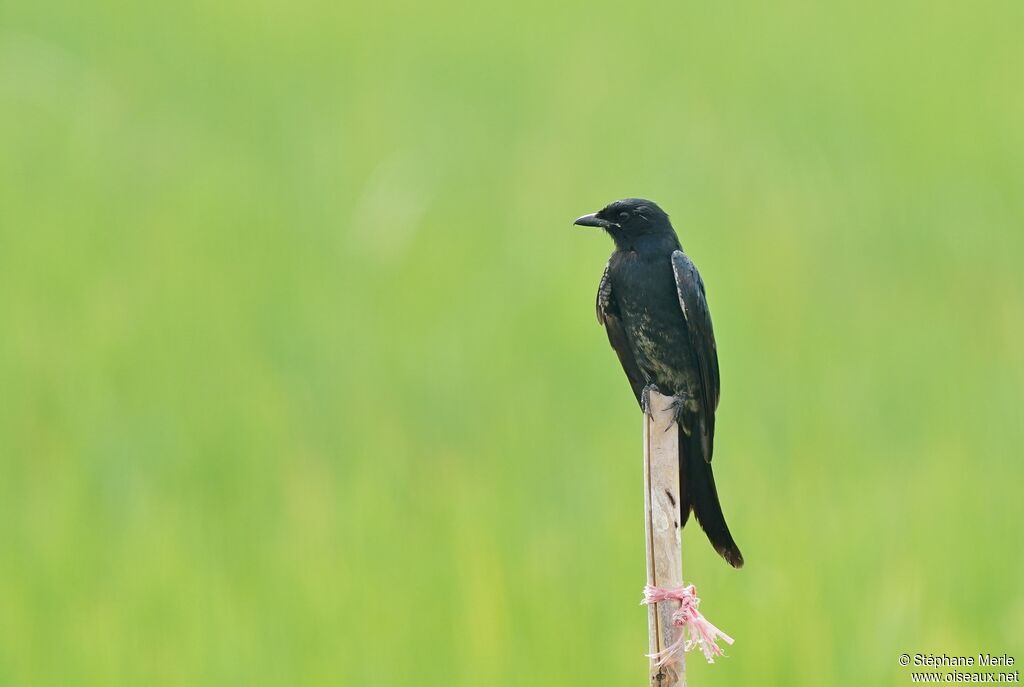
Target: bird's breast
(653, 320)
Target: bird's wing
(608, 315)
(694, 303)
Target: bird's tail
(698, 493)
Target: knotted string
(701, 632)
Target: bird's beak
(592, 220)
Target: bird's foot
(645, 399)
(683, 405)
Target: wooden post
(664, 545)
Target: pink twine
(702, 633)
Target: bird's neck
(661, 243)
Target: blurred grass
(300, 377)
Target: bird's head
(628, 219)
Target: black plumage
(652, 304)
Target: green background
(300, 382)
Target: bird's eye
(623, 215)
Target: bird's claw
(645, 400)
(682, 405)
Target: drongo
(652, 304)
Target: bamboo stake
(664, 544)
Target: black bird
(652, 304)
